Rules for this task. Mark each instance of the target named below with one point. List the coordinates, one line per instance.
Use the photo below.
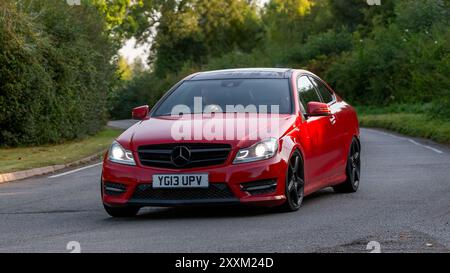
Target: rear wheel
(294, 183)
(353, 170)
(121, 211)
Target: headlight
(259, 151)
(118, 154)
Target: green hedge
(419, 125)
(406, 61)
(55, 71)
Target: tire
(353, 170)
(295, 184)
(121, 212)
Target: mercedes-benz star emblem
(181, 156)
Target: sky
(130, 52)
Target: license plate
(180, 181)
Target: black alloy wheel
(353, 170)
(295, 183)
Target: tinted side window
(307, 92)
(323, 90)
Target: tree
(120, 23)
(124, 69)
(284, 19)
(190, 31)
(349, 13)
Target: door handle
(333, 119)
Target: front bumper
(229, 184)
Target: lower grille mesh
(216, 191)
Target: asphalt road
(403, 203)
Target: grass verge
(417, 124)
(24, 158)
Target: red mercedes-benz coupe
(264, 137)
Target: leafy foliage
(404, 62)
(192, 31)
(55, 69)
(396, 53)
(58, 74)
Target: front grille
(114, 188)
(202, 154)
(215, 192)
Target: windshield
(231, 95)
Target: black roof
(244, 73)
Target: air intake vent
(114, 188)
(260, 187)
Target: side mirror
(140, 112)
(317, 109)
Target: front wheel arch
(351, 185)
(294, 184)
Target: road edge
(20, 175)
